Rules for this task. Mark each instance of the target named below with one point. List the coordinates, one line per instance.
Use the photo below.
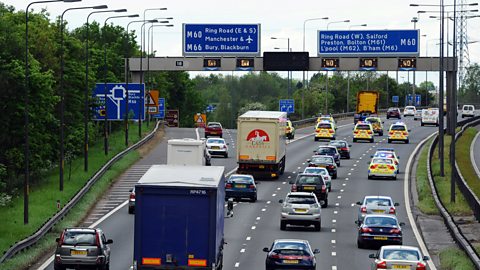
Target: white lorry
(261, 143)
(430, 117)
(187, 152)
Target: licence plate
(290, 261)
(241, 186)
(308, 188)
(215, 147)
(261, 166)
(382, 167)
(378, 211)
(78, 252)
(396, 266)
(213, 132)
(380, 238)
(300, 210)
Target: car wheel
(338, 164)
(389, 141)
(407, 141)
(283, 225)
(395, 177)
(330, 189)
(369, 177)
(388, 117)
(254, 199)
(360, 245)
(105, 267)
(348, 156)
(131, 210)
(354, 140)
(221, 136)
(226, 155)
(316, 139)
(422, 124)
(318, 226)
(325, 203)
(372, 140)
(58, 267)
(334, 176)
(380, 133)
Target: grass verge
(462, 148)
(43, 197)
(455, 259)
(426, 204)
(460, 206)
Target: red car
(393, 113)
(213, 129)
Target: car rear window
(384, 155)
(382, 161)
(338, 144)
(380, 221)
(322, 160)
(309, 180)
(398, 127)
(377, 202)
(215, 141)
(240, 179)
(295, 199)
(79, 238)
(324, 125)
(363, 127)
(326, 150)
(214, 126)
(321, 171)
(290, 248)
(395, 254)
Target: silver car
(417, 115)
(376, 205)
(82, 247)
(399, 257)
(323, 172)
(301, 208)
(217, 146)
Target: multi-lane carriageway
(256, 225)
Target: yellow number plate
(300, 210)
(290, 261)
(380, 238)
(378, 211)
(396, 266)
(261, 166)
(78, 252)
(215, 147)
(308, 188)
(240, 186)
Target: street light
(61, 90)
(26, 182)
(87, 89)
(105, 123)
(289, 89)
(357, 25)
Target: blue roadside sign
(368, 42)
(161, 109)
(418, 100)
(221, 39)
(116, 101)
(287, 105)
(395, 99)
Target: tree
(470, 90)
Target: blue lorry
(179, 218)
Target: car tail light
(382, 265)
(392, 210)
(421, 266)
(317, 130)
(355, 132)
(373, 166)
(366, 230)
(224, 147)
(390, 167)
(395, 231)
(132, 196)
(294, 188)
(363, 209)
(330, 130)
(390, 133)
(344, 149)
(60, 242)
(405, 133)
(97, 239)
(228, 185)
(324, 188)
(396, 162)
(330, 166)
(251, 186)
(369, 131)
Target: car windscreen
(324, 125)
(382, 161)
(321, 171)
(309, 180)
(214, 126)
(79, 238)
(398, 127)
(363, 127)
(380, 221)
(326, 151)
(377, 202)
(294, 199)
(322, 160)
(218, 141)
(338, 144)
(404, 255)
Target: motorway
(256, 225)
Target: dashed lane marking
(242, 250)
(334, 220)
(339, 197)
(254, 227)
(273, 195)
(237, 264)
(263, 209)
(258, 218)
(335, 212)
(334, 241)
(334, 253)
(269, 202)
(248, 238)
(333, 230)
(337, 204)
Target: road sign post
(116, 99)
(161, 109)
(286, 105)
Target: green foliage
(454, 258)
(470, 90)
(426, 204)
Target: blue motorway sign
(210, 108)
(418, 100)
(368, 42)
(395, 99)
(116, 101)
(221, 39)
(161, 109)
(287, 105)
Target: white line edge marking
(472, 156)
(406, 186)
(198, 134)
(237, 264)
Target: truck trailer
(261, 143)
(367, 104)
(179, 218)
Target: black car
(393, 113)
(343, 148)
(379, 229)
(328, 150)
(241, 186)
(290, 254)
(313, 183)
(326, 162)
(82, 247)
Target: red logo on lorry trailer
(258, 136)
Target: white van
(187, 152)
(430, 116)
(468, 111)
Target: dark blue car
(240, 186)
(290, 254)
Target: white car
(399, 257)
(300, 208)
(430, 117)
(322, 171)
(418, 115)
(217, 146)
(409, 111)
(468, 111)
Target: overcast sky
(278, 18)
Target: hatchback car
(343, 148)
(213, 129)
(300, 208)
(82, 247)
(399, 257)
(382, 167)
(131, 201)
(324, 130)
(290, 130)
(326, 162)
(311, 183)
(468, 111)
(323, 172)
(376, 205)
(409, 111)
(326, 150)
(379, 229)
(387, 153)
(393, 113)
(329, 118)
(217, 146)
(240, 186)
(418, 115)
(363, 131)
(290, 254)
(398, 132)
(377, 124)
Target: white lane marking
(334, 253)
(283, 183)
(337, 204)
(294, 172)
(333, 230)
(360, 157)
(335, 212)
(273, 195)
(363, 154)
(279, 188)
(344, 184)
(354, 165)
(258, 218)
(254, 227)
(248, 238)
(347, 177)
(406, 195)
(263, 209)
(353, 204)
(339, 197)
(334, 241)
(352, 168)
(269, 202)
(358, 161)
(303, 163)
(237, 264)
(334, 267)
(341, 190)
(289, 177)
(334, 220)
(298, 168)
(472, 156)
(242, 250)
